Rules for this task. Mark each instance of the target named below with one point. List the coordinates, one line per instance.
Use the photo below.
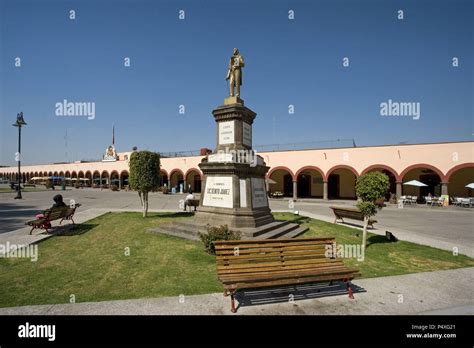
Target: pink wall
(441, 157)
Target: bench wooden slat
(265, 249)
(286, 275)
(273, 268)
(230, 244)
(264, 260)
(276, 263)
(295, 269)
(278, 282)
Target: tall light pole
(19, 123)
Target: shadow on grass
(298, 219)
(377, 240)
(70, 230)
(171, 215)
(287, 294)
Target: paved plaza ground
(442, 227)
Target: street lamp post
(19, 123)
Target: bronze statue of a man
(234, 73)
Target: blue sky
(175, 62)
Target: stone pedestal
(234, 191)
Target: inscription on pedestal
(259, 197)
(226, 132)
(218, 192)
(246, 134)
(243, 193)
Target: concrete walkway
(441, 292)
(400, 233)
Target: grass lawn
(90, 262)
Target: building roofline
(367, 146)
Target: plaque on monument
(259, 196)
(246, 134)
(218, 192)
(226, 132)
(243, 193)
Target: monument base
(190, 230)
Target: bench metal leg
(232, 301)
(349, 289)
(32, 229)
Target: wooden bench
(63, 213)
(191, 203)
(247, 264)
(350, 213)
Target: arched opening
(458, 179)
(80, 178)
(164, 178)
(89, 181)
(428, 176)
(114, 180)
(341, 183)
(74, 181)
(105, 179)
(67, 178)
(124, 179)
(283, 182)
(193, 180)
(96, 179)
(310, 182)
(177, 179)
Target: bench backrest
(61, 212)
(353, 213)
(56, 213)
(250, 256)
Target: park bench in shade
(63, 213)
(350, 213)
(191, 203)
(249, 264)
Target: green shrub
(216, 233)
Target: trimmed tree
(144, 175)
(369, 188)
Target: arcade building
(446, 168)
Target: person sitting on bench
(58, 203)
(188, 197)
